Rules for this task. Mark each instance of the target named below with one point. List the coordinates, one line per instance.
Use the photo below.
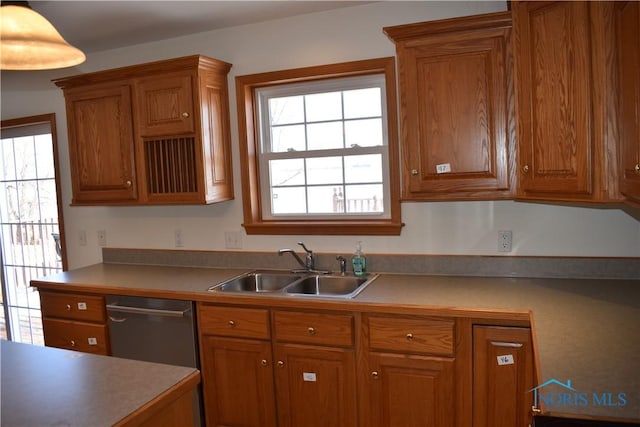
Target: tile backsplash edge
(446, 265)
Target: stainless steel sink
(286, 283)
(257, 282)
(337, 286)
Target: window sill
(345, 228)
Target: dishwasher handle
(149, 311)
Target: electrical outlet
(82, 238)
(233, 239)
(505, 239)
(179, 238)
(102, 238)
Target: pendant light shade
(30, 42)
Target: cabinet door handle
(263, 362)
(185, 115)
(506, 344)
(375, 375)
(311, 330)
(128, 183)
(414, 172)
(280, 364)
(73, 343)
(525, 168)
(637, 168)
(68, 307)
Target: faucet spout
(294, 254)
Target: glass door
(31, 239)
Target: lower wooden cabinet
(410, 379)
(503, 375)
(410, 391)
(75, 321)
(316, 386)
(292, 367)
(237, 382)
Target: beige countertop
(44, 386)
(585, 330)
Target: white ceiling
(101, 25)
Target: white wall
(321, 38)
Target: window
(319, 151)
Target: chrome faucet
(343, 264)
(309, 262)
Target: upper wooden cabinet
(566, 101)
(628, 44)
(155, 133)
(456, 108)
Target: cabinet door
(315, 386)
(237, 382)
(410, 391)
(164, 105)
(553, 79)
(628, 43)
(101, 147)
(454, 111)
(502, 377)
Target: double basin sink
(286, 283)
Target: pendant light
(29, 42)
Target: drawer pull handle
(506, 344)
(263, 362)
(414, 172)
(311, 330)
(637, 168)
(68, 307)
(232, 323)
(280, 364)
(73, 343)
(525, 169)
(185, 115)
(409, 336)
(375, 375)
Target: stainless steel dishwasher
(155, 330)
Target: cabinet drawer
(79, 336)
(412, 335)
(233, 321)
(73, 306)
(315, 328)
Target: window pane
(44, 156)
(285, 110)
(321, 199)
(10, 202)
(324, 106)
(25, 158)
(288, 200)
(362, 103)
(324, 170)
(367, 168)
(48, 200)
(287, 138)
(8, 165)
(322, 136)
(363, 198)
(364, 133)
(28, 199)
(286, 172)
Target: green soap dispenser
(358, 261)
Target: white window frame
(314, 87)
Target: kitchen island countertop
(585, 330)
(44, 386)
